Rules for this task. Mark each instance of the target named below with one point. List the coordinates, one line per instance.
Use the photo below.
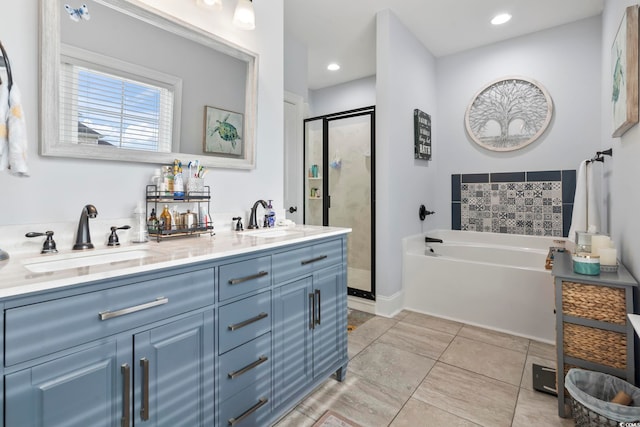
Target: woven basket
(596, 345)
(602, 303)
(585, 417)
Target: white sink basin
(51, 263)
(271, 233)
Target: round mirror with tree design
(508, 114)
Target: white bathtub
(492, 280)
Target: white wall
(622, 171)
(406, 79)
(565, 60)
(343, 97)
(295, 67)
(58, 188)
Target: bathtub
(492, 280)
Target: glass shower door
(339, 187)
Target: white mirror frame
(50, 144)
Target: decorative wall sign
(223, 132)
(508, 114)
(421, 135)
(624, 73)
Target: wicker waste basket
(591, 393)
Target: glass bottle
(152, 222)
(165, 217)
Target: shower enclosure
(339, 186)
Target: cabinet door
(173, 380)
(292, 338)
(81, 389)
(330, 319)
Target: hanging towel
(13, 131)
(586, 215)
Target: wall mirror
(122, 81)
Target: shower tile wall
(532, 203)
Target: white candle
(598, 242)
(608, 256)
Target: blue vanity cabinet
(130, 351)
(310, 321)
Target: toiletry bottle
(178, 187)
(167, 179)
(152, 222)
(271, 216)
(165, 217)
(140, 233)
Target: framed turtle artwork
(223, 131)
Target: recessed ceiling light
(333, 67)
(500, 19)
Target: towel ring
(7, 65)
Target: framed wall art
(421, 135)
(223, 133)
(624, 73)
(508, 114)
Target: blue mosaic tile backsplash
(530, 203)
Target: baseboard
(361, 304)
(389, 306)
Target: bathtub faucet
(432, 240)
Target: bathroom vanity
(592, 327)
(230, 330)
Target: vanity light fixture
(333, 67)
(244, 17)
(215, 4)
(501, 19)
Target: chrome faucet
(83, 237)
(253, 222)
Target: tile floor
(419, 370)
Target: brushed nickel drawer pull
(144, 411)
(104, 315)
(247, 278)
(126, 416)
(261, 402)
(249, 367)
(247, 322)
(309, 261)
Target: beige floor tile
(416, 413)
(431, 322)
(543, 350)
(496, 338)
(527, 374)
(423, 341)
(372, 329)
(390, 367)
(486, 359)
(355, 345)
(295, 418)
(357, 399)
(477, 398)
(401, 315)
(538, 409)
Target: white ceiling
(343, 31)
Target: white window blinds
(115, 106)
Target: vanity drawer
(250, 408)
(298, 262)
(38, 329)
(244, 320)
(242, 277)
(245, 365)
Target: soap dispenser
(270, 216)
(140, 233)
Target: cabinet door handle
(247, 278)
(261, 402)
(249, 367)
(247, 322)
(318, 294)
(126, 385)
(312, 311)
(144, 411)
(104, 315)
(312, 260)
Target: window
(114, 103)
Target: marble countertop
(16, 279)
